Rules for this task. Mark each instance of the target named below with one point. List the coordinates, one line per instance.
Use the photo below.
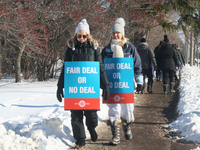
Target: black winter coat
(84, 52)
(147, 56)
(167, 58)
(156, 50)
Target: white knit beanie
(83, 25)
(119, 26)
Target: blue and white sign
(120, 74)
(81, 79)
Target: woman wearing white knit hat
(82, 47)
(119, 47)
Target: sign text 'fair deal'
(82, 85)
(81, 79)
(117, 75)
(120, 75)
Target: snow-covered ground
(188, 122)
(31, 118)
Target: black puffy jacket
(84, 52)
(167, 57)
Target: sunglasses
(79, 36)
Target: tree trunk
(40, 71)
(191, 49)
(25, 68)
(1, 63)
(26, 71)
(18, 64)
(1, 51)
(186, 49)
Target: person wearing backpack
(148, 58)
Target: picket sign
(81, 85)
(121, 80)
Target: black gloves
(139, 88)
(106, 93)
(60, 94)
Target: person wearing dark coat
(167, 61)
(159, 74)
(82, 47)
(147, 58)
(182, 59)
(179, 54)
(177, 74)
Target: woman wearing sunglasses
(119, 47)
(82, 47)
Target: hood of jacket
(166, 44)
(143, 46)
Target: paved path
(152, 112)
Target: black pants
(77, 122)
(148, 73)
(168, 74)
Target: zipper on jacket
(91, 59)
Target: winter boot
(172, 87)
(93, 135)
(79, 143)
(149, 89)
(142, 91)
(143, 88)
(115, 132)
(127, 130)
(165, 88)
(176, 78)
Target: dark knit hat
(166, 38)
(143, 40)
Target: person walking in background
(120, 47)
(159, 73)
(147, 58)
(167, 61)
(177, 74)
(82, 47)
(181, 56)
(182, 59)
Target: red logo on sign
(82, 103)
(120, 98)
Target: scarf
(116, 47)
